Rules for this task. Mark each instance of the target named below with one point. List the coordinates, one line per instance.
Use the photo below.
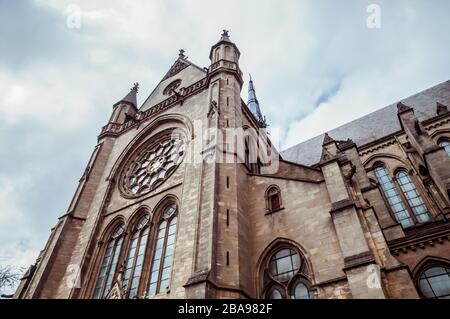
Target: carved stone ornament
(152, 166)
(115, 292)
(178, 66)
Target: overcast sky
(315, 64)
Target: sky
(315, 64)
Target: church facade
(186, 197)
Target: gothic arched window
(171, 87)
(135, 256)
(393, 197)
(445, 143)
(434, 281)
(109, 263)
(412, 196)
(273, 199)
(227, 53)
(217, 54)
(163, 252)
(247, 152)
(285, 276)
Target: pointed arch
(379, 158)
(217, 54)
(133, 219)
(106, 232)
(432, 278)
(228, 53)
(285, 270)
(166, 225)
(139, 229)
(428, 260)
(412, 195)
(111, 250)
(151, 130)
(391, 195)
(437, 134)
(273, 199)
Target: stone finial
(401, 107)
(327, 139)
(441, 108)
(181, 53)
(130, 98)
(225, 33)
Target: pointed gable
(181, 74)
(179, 65)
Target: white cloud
(59, 84)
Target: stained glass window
(135, 257)
(412, 195)
(109, 264)
(434, 282)
(393, 197)
(163, 254)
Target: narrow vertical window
(109, 263)
(163, 253)
(412, 195)
(391, 193)
(135, 257)
(247, 153)
(273, 199)
(217, 54)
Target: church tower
(160, 209)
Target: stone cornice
(341, 205)
(303, 180)
(375, 148)
(420, 239)
(358, 260)
(115, 129)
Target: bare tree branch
(10, 276)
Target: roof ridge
(373, 112)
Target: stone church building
(184, 196)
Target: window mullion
(163, 256)
(133, 266)
(405, 200)
(108, 269)
(103, 284)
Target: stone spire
(253, 104)
(130, 98)
(402, 107)
(327, 139)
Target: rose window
(154, 166)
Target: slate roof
(372, 126)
